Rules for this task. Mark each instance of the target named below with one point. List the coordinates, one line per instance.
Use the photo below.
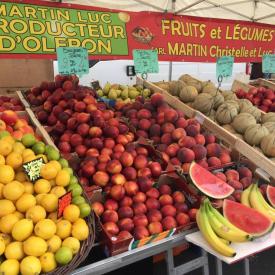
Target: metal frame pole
(171, 62)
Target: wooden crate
(266, 166)
(263, 83)
(237, 84)
(22, 99)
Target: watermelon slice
(246, 218)
(270, 193)
(208, 183)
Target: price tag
(63, 202)
(72, 60)
(146, 61)
(268, 63)
(224, 66)
(32, 169)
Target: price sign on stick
(224, 66)
(146, 61)
(268, 63)
(63, 202)
(73, 60)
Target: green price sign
(32, 169)
(146, 61)
(268, 63)
(224, 66)
(72, 60)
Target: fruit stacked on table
(33, 239)
(10, 103)
(262, 97)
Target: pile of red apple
(10, 103)
(263, 98)
(129, 212)
(180, 140)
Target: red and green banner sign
(35, 29)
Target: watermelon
(270, 193)
(208, 183)
(246, 218)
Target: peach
(139, 208)
(140, 232)
(130, 173)
(221, 176)
(72, 123)
(235, 184)
(119, 148)
(111, 228)
(178, 197)
(181, 122)
(123, 129)
(155, 228)
(165, 199)
(182, 219)
(214, 161)
(192, 130)
(88, 170)
(200, 139)
(213, 150)
(106, 151)
(152, 203)
(187, 142)
(167, 128)
(109, 216)
(140, 220)
(168, 210)
(160, 118)
(111, 204)
(144, 172)
(175, 161)
(181, 207)
(126, 224)
(152, 193)
(154, 130)
(76, 139)
(114, 167)
(124, 235)
(142, 151)
(126, 159)
(9, 117)
(122, 139)
(172, 150)
(155, 168)
(244, 172)
(166, 138)
(103, 158)
(95, 131)
(118, 179)
(113, 122)
(232, 175)
(144, 113)
(178, 133)
(111, 131)
(170, 115)
(186, 155)
(139, 197)
(144, 124)
(144, 183)
(79, 106)
(64, 147)
(83, 129)
(97, 207)
(168, 223)
(81, 150)
(154, 215)
(131, 188)
(92, 152)
(125, 212)
(126, 201)
(237, 195)
(209, 138)
(140, 162)
(225, 158)
(100, 178)
(165, 189)
(192, 214)
(246, 181)
(117, 192)
(199, 151)
(157, 99)
(141, 133)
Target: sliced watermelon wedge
(208, 183)
(270, 193)
(246, 218)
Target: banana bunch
(252, 197)
(218, 231)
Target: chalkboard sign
(72, 60)
(269, 63)
(146, 61)
(224, 66)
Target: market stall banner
(35, 29)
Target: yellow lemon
(20, 176)
(49, 202)
(39, 198)
(6, 173)
(53, 217)
(19, 215)
(63, 229)
(59, 191)
(30, 266)
(52, 182)
(6, 238)
(1, 190)
(80, 220)
(48, 171)
(80, 231)
(35, 246)
(36, 213)
(72, 243)
(9, 139)
(14, 160)
(7, 222)
(5, 147)
(9, 267)
(13, 190)
(18, 147)
(71, 213)
(15, 251)
(2, 246)
(62, 178)
(29, 158)
(54, 243)
(28, 187)
(2, 160)
(44, 157)
(56, 164)
(45, 229)
(25, 202)
(48, 262)
(22, 230)
(6, 207)
(42, 186)
(27, 152)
